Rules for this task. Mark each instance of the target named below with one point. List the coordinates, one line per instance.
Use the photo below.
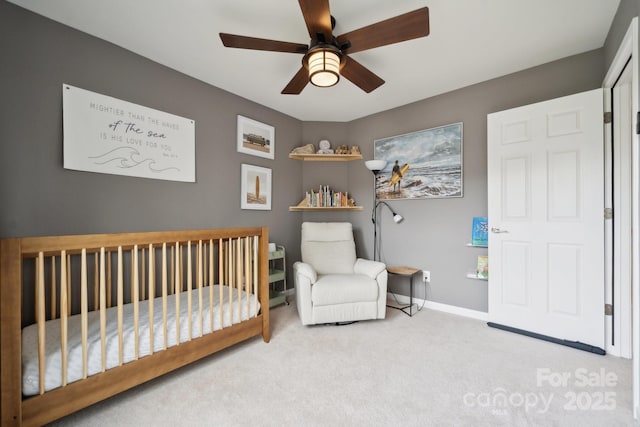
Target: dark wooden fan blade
(297, 83)
(244, 42)
(394, 30)
(360, 76)
(317, 16)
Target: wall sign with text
(107, 135)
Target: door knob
(498, 230)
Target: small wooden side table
(408, 272)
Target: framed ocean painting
(421, 165)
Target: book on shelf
(482, 267)
(480, 231)
(326, 197)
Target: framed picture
(421, 165)
(256, 188)
(256, 138)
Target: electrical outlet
(426, 276)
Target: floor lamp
(375, 166)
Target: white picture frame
(256, 138)
(255, 191)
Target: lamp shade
(375, 165)
(324, 68)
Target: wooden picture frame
(255, 138)
(255, 190)
(428, 164)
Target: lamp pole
(374, 216)
(397, 218)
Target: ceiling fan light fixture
(324, 66)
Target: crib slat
(120, 296)
(109, 280)
(136, 309)
(96, 280)
(247, 272)
(200, 259)
(211, 283)
(231, 281)
(189, 285)
(239, 275)
(54, 287)
(103, 311)
(177, 292)
(41, 320)
(164, 294)
(84, 312)
(63, 318)
(220, 280)
(173, 273)
(142, 278)
(255, 269)
(151, 296)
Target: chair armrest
(306, 270)
(369, 267)
(377, 271)
(304, 276)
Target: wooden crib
(103, 313)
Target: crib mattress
(233, 312)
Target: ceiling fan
(326, 56)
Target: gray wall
(39, 197)
(434, 234)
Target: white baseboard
(452, 309)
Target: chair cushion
(329, 247)
(343, 288)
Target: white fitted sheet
(232, 313)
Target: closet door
(546, 220)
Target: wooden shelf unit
(326, 157)
(302, 206)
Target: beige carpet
(432, 369)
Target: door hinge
(608, 117)
(608, 213)
(608, 309)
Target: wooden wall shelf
(326, 157)
(302, 206)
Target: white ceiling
(470, 41)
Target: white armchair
(332, 286)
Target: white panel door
(546, 201)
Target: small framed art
(255, 188)
(255, 138)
